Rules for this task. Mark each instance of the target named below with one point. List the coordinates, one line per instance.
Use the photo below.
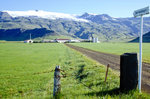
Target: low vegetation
(27, 70)
(118, 48)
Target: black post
(128, 71)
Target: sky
(114, 8)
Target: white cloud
(44, 14)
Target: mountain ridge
(103, 26)
(44, 14)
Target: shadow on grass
(115, 91)
(80, 74)
(91, 85)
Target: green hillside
(146, 38)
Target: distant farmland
(27, 70)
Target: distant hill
(146, 38)
(103, 26)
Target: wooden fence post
(106, 72)
(57, 86)
(128, 71)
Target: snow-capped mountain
(43, 23)
(44, 14)
(86, 17)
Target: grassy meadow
(118, 48)
(27, 71)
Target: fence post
(128, 71)
(106, 72)
(57, 86)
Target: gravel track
(114, 62)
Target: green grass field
(118, 48)
(27, 70)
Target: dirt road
(114, 62)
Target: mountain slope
(97, 18)
(132, 25)
(20, 34)
(103, 26)
(5, 16)
(146, 38)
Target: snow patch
(92, 14)
(44, 14)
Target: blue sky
(115, 8)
